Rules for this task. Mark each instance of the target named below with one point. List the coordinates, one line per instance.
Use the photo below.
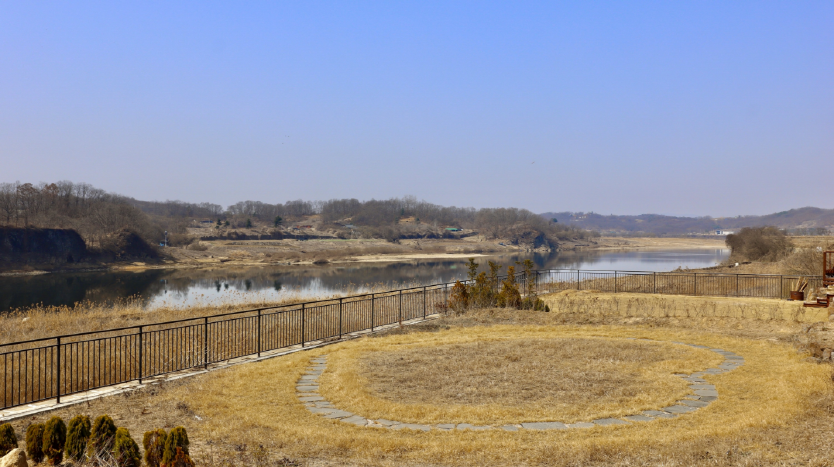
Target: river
(184, 287)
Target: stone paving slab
(509, 428)
(355, 420)
(679, 409)
(544, 426)
(702, 387)
(339, 414)
(311, 398)
(638, 418)
(307, 388)
(610, 421)
(581, 425)
(692, 403)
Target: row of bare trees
(95, 213)
(90, 211)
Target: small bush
(197, 246)
(102, 436)
(181, 459)
(78, 434)
(54, 438)
(34, 442)
(125, 449)
(509, 296)
(154, 443)
(759, 244)
(8, 440)
(459, 298)
(177, 441)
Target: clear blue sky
(682, 108)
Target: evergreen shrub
(8, 440)
(154, 443)
(54, 438)
(125, 449)
(78, 434)
(181, 459)
(102, 436)
(34, 442)
(177, 440)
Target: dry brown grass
(593, 303)
(483, 377)
(513, 373)
(775, 410)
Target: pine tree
(34, 442)
(8, 439)
(102, 436)
(154, 443)
(78, 433)
(54, 437)
(177, 441)
(125, 449)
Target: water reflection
(230, 284)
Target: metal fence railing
(49, 368)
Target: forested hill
(806, 221)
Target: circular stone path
(702, 394)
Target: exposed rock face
(531, 240)
(54, 246)
(16, 458)
(126, 244)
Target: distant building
(724, 232)
(453, 229)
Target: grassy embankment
(776, 409)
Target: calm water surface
(168, 287)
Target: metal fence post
(141, 353)
(654, 288)
(578, 284)
(58, 373)
(205, 343)
(695, 285)
(340, 317)
(372, 312)
(424, 302)
(445, 298)
(259, 332)
(303, 325)
(401, 308)
(615, 282)
(737, 291)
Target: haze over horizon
(684, 109)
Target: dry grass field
(484, 377)
(777, 409)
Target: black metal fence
(49, 368)
(676, 283)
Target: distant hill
(805, 221)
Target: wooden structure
(825, 298)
